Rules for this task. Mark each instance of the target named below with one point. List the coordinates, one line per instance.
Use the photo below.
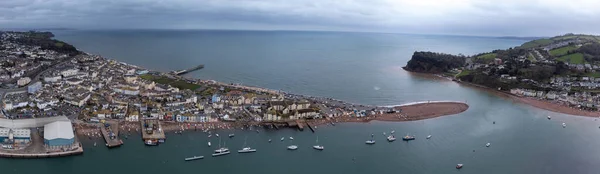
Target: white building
(23, 81)
(69, 72)
(52, 79)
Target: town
(51, 93)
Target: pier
(310, 127)
(152, 130)
(110, 132)
(185, 71)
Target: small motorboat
(269, 140)
(383, 133)
(217, 135)
(318, 147)
(488, 145)
(292, 147)
(549, 117)
(428, 136)
(209, 144)
(94, 144)
(209, 136)
(393, 131)
(391, 138)
(370, 142)
(231, 135)
(564, 125)
(459, 166)
(150, 143)
(291, 138)
(282, 138)
(194, 158)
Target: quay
(110, 132)
(77, 151)
(300, 125)
(152, 130)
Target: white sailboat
(246, 149)
(371, 141)
(221, 149)
(317, 146)
(292, 147)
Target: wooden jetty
(310, 127)
(300, 125)
(114, 141)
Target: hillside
(430, 62)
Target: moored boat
(317, 146)
(194, 158)
(220, 153)
(151, 142)
(292, 147)
(231, 135)
(488, 145)
(291, 138)
(549, 117)
(391, 138)
(246, 150)
(428, 136)
(459, 166)
(408, 138)
(564, 125)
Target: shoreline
(410, 112)
(534, 102)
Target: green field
(530, 57)
(463, 73)
(576, 58)
(173, 82)
(536, 43)
(488, 56)
(562, 50)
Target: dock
(300, 125)
(152, 130)
(310, 127)
(110, 132)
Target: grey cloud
(472, 17)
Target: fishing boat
(282, 138)
(151, 142)
(549, 117)
(291, 138)
(428, 136)
(194, 158)
(231, 135)
(246, 149)
(391, 138)
(459, 166)
(292, 147)
(318, 147)
(564, 125)
(408, 138)
(488, 145)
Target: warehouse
(59, 133)
(15, 136)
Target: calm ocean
(362, 68)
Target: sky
(453, 17)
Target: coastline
(540, 104)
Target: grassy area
(562, 50)
(173, 82)
(536, 43)
(576, 58)
(530, 57)
(463, 73)
(593, 74)
(488, 56)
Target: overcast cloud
(465, 17)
